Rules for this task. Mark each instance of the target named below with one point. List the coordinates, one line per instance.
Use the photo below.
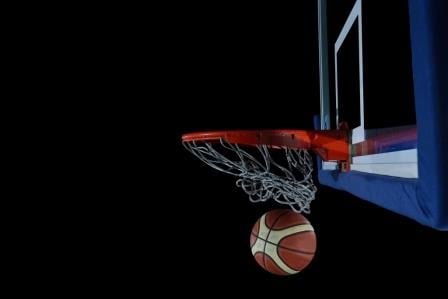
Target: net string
(262, 178)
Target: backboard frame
(409, 178)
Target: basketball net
(258, 175)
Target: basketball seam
(287, 248)
(286, 262)
(267, 236)
(273, 261)
(284, 247)
(286, 227)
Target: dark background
(255, 67)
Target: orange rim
(329, 145)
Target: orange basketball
(283, 242)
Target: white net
(259, 175)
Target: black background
(255, 67)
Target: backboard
(380, 74)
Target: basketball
(283, 242)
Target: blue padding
(424, 199)
(393, 193)
(429, 42)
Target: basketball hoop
(249, 155)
